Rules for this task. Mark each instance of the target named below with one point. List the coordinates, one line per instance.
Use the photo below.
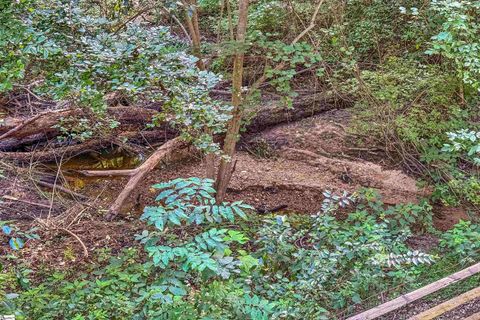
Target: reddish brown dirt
(304, 158)
(446, 217)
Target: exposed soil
(289, 164)
(303, 159)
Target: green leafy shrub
(268, 267)
(191, 201)
(461, 160)
(458, 39)
(206, 253)
(412, 103)
(139, 63)
(464, 144)
(463, 241)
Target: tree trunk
(194, 30)
(191, 17)
(233, 128)
(226, 168)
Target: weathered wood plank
(446, 306)
(417, 294)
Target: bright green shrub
(463, 241)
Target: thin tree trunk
(233, 128)
(226, 168)
(191, 16)
(230, 22)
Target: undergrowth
(197, 264)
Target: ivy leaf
(16, 243)
(7, 230)
(177, 291)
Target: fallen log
(52, 152)
(167, 149)
(16, 133)
(303, 107)
(108, 173)
(24, 124)
(19, 134)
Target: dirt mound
(304, 158)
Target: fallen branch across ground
(71, 193)
(167, 149)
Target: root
(71, 193)
(85, 250)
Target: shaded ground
(290, 164)
(461, 312)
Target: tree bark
(161, 153)
(233, 127)
(44, 122)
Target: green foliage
(206, 254)
(408, 107)
(412, 102)
(78, 57)
(462, 160)
(464, 144)
(293, 56)
(121, 287)
(191, 201)
(199, 260)
(272, 267)
(14, 236)
(458, 39)
(463, 241)
(346, 260)
(19, 43)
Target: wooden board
(417, 294)
(448, 305)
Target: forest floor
(288, 165)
